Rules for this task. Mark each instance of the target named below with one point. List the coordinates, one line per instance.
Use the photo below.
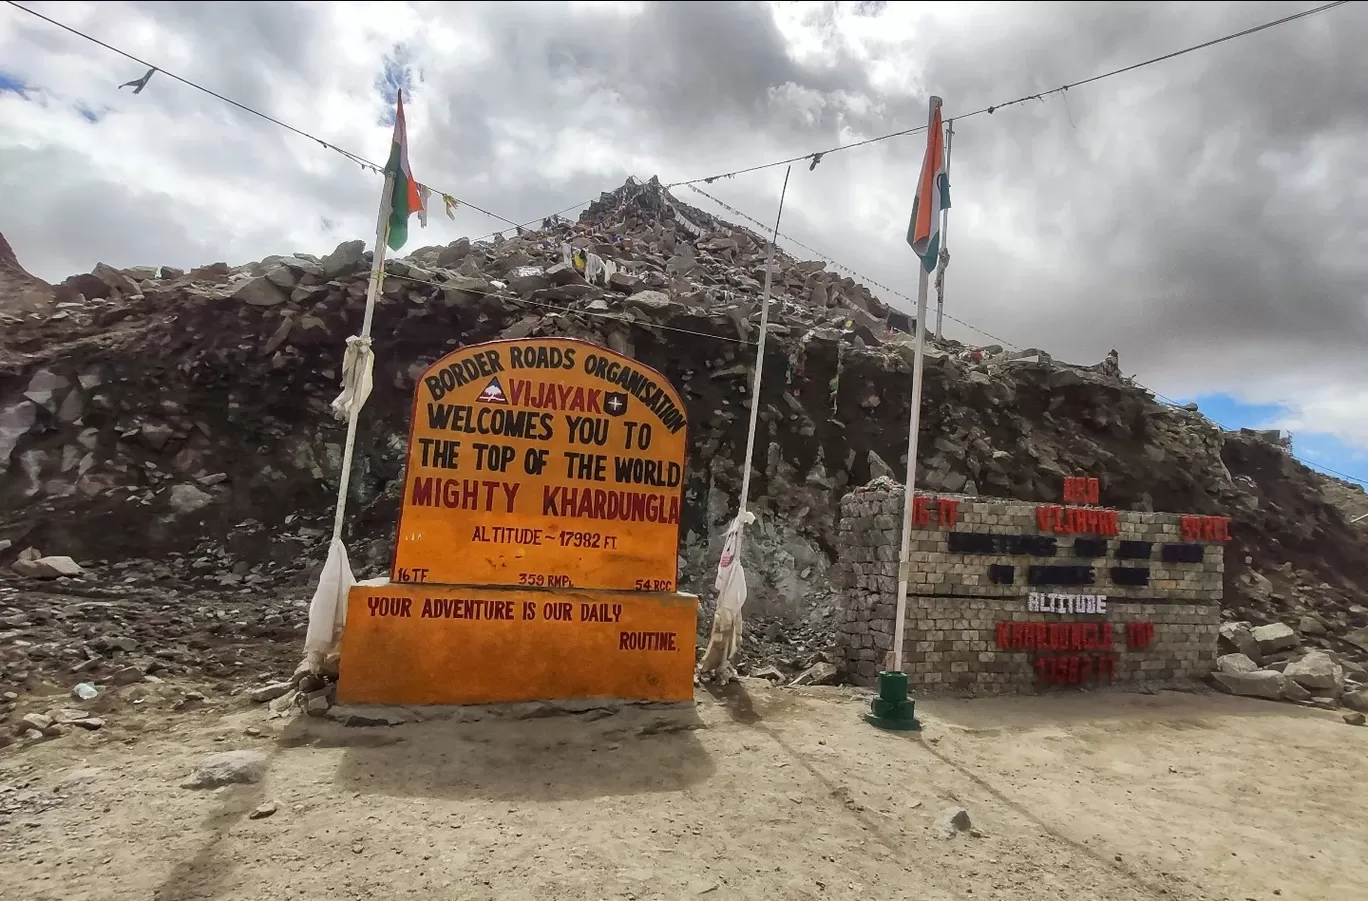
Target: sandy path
(766, 794)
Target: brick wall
(961, 611)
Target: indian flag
(406, 199)
(933, 194)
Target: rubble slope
(155, 413)
(20, 292)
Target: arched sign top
(545, 462)
(555, 374)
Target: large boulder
(1236, 638)
(260, 292)
(526, 279)
(1309, 625)
(1317, 670)
(454, 252)
(1259, 684)
(1294, 692)
(1235, 664)
(653, 300)
(115, 279)
(46, 567)
(1358, 637)
(185, 499)
(345, 259)
(1353, 671)
(1356, 700)
(1275, 637)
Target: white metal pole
(377, 278)
(945, 231)
(759, 370)
(914, 424)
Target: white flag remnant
(725, 640)
(328, 610)
(357, 366)
(398, 199)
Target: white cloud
(1206, 217)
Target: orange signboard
(547, 463)
(442, 644)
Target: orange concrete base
(440, 644)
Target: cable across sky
(814, 156)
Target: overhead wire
(816, 156)
(354, 157)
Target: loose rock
(260, 292)
(1275, 637)
(1261, 684)
(1237, 638)
(951, 821)
(1356, 700)
(262, 811)
(229, 768)
(1235, 664)
(1317, 670)
(1309, 625)
(271, 692)
(820, 673)
(186, 499)
(47, 567)
(37, 722)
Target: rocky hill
(20, 292)
(171, 429)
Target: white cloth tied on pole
(942, 262)
(593, 268)
(357, 368)
(725, 640)
(328, 609)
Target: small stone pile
(203, 614)
(1270, 662)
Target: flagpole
(944, 234)
(725, 637)
(377, 278)
(759, 368)
(913, 427)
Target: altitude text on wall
(1004, 595)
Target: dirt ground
(761, 793)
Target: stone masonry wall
(972, 628)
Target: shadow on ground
(1172, 709)
(549, 758)
(208, 873)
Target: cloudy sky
(1206, 216)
